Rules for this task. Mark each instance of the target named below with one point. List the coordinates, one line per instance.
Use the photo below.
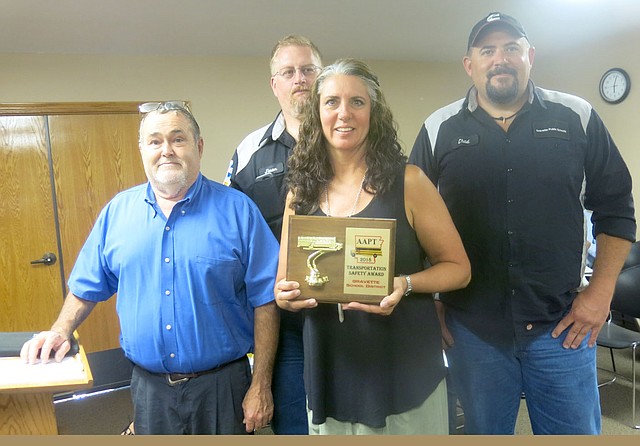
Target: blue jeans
(289, 397)
(560, 385)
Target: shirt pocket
(557, 156)
(222, 280)
(269, 194)
(558, 161)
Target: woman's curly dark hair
(309, 167)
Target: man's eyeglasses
(307, 71)
(148, 107)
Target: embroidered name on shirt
(551, 130)
(465, 141)
(270, 171)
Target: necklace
(505, 118)
(353, 210)
(355, 203)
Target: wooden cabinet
(59, 165)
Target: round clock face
(614, 85)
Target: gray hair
(351, 67)
(193, 124)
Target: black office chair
(626, 301)
(633, 258)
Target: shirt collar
(279, 126)
(276, 131)
(150, 196)
(471, 102)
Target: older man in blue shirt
(193, 264)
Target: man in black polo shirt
(258, 169)
(517, 165)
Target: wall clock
(615, 85)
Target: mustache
(502, 70)
(298, 89)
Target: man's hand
(258, 408)
(591, 307)
(41, 346)
(589, 312)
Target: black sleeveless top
(371, 366)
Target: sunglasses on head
(148, 107)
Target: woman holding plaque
(371, 368)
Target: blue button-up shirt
(187, 285)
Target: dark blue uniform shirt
(518, 199)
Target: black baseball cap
(493, 19)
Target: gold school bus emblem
(319, 246)
(368, 248)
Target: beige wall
(231, 96)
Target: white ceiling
(408, 30)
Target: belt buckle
(177, 381)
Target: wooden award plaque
(342, 259)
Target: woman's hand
(286, 292)
(387, 305)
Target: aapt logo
(367, 248)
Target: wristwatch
(409, 286)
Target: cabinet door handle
(48, 258)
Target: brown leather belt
(176, 378)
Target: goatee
(503, 94)
(297, 107)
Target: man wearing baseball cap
(517, 166)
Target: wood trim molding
(67, 108)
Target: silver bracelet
(409, 286)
